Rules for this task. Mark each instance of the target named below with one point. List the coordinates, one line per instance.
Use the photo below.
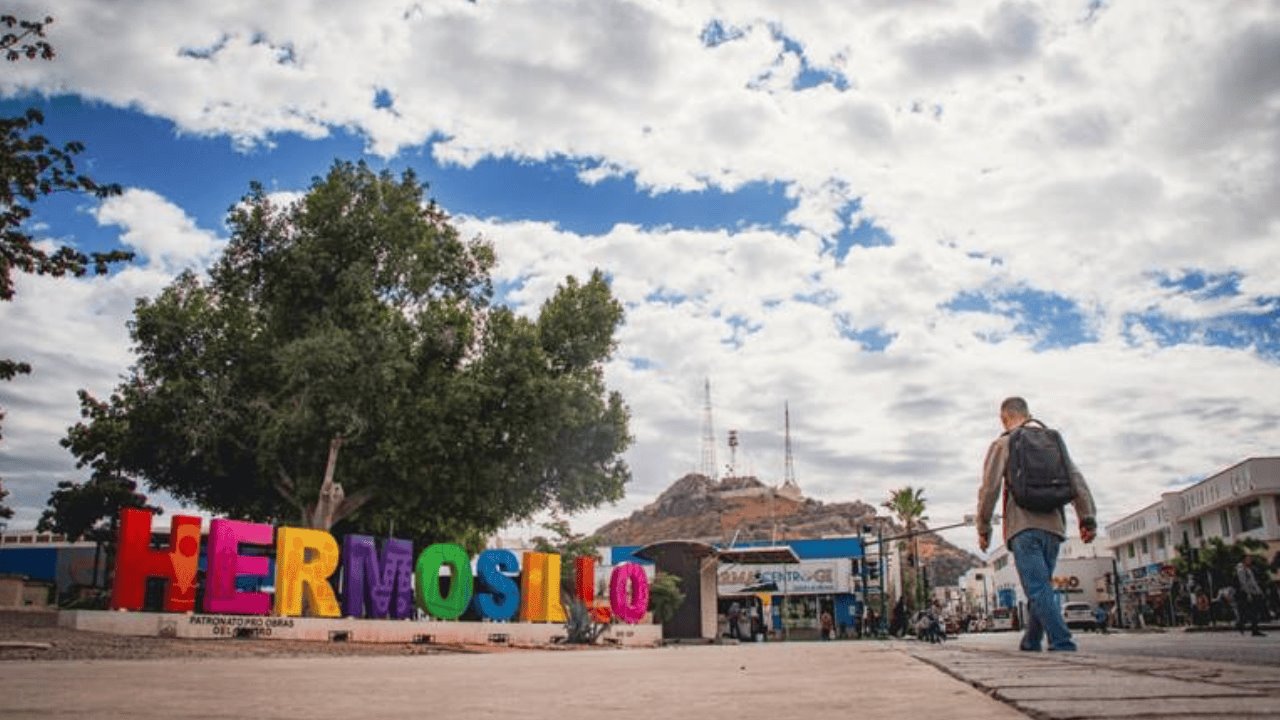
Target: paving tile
(1235, 707)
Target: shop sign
(808, 577)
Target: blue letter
(499, 596)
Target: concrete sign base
(211, 627)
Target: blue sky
(888, 219)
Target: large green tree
(33, 167)
(344, 361)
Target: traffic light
(873, 571)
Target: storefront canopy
(775, 555)
(690, 548)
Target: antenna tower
(789, 474)
(733, 453)
(708, 467)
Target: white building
(1083, 574)
(1242, 501)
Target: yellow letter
(298, 576)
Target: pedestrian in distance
(735, 613)
(1249, 598)
(1100, 619)
(898, 618)
(1030, 474)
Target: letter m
(376, 580)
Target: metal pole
(880, 562)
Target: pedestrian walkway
(1076, 686)
(764, 681)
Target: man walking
(1035, 523)
(1249, 597)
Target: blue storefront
(792, 596)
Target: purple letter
(368, 579)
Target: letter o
(427, 571)
(629, 607)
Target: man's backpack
(1038, 478)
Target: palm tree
(908, 504)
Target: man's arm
(989, 493)
(1086, 512)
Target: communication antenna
(708, 467)
(789, 473)
(733, 453)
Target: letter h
(136, 561)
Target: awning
(775, 555)
(691, 547)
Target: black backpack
(1038, 478)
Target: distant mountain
(741, 509)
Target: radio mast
(708, 466)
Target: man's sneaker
(1259, 633)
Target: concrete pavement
(1074, 686)
(773, 681)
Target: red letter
(584, 571)
(136, 561)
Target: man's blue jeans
(1035, 553)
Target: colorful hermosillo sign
(376, 584)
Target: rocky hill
(696, 507)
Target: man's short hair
(1015, 406)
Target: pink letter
(629, 607)
(226, 564)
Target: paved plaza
(770, 680)
(740, 682)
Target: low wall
(339, 629)
(17, 591)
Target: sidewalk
(767, 681)
(1071, 686)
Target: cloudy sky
(889, 214)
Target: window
(1251, 516)
(1199, 527)
(1130, 548)
(1145, 548)
(1160, 541)
(1224, 520)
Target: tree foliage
(908, 504)
(665, 597)
(1214, 564)
(569, 546)
(343, 360)
(88, 509)
(33, 167)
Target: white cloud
(1003, 145)
(73, 332)
(160, 232)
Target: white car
(1078, 615)
(1001, 619)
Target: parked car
(1078, 615)
(1001, 619)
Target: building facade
(1242, 501)
(1083, 574)
(791, 596)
